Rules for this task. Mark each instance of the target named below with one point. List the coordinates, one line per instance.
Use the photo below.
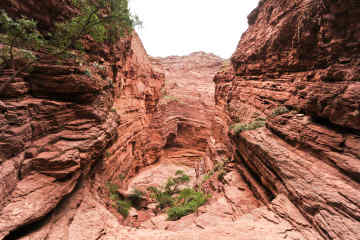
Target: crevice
(28, 228)
(270, 196)
(328, 124)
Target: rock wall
(70, 127)
(56, 123)
(187, 118)
(297, 68)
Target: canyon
(273, 134)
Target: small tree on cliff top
(104, 20)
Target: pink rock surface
(65, 134)
(302, 55)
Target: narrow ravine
(265, 144)
(194, 139)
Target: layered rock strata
(297, 68)
(284, 122)
(190, 133)
(56, 123)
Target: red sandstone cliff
(68, 129)
(56, 123)
(303, 55)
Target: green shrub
(123, 207)
(112, 187)
(136, 198)
(176, 213)
(170, 98)
(218, 169)
(187, 202)
(208, 175)
(279, 110)
(260, 119)
(172, 184)
(87, 73)
(164, 199)
(121, 175)
(219, 166)
(98, 66)
(103, 20)
(179, 172)
(221, 176)
(180, 203)
(239, 127)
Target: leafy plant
(172, 184)
(180, 202)
(280, 110)
(136, 198)
(112, 187)
(121, 175)
(163, 198)
(218, 169)
(98, 66)
(221, 176)
(239, 127)
(123, 207)
(18, 37)
(103, 20)
(187, 202)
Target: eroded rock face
(56, 123)
(191, 135)
(69, 129)
(185, 132)
(302, 55)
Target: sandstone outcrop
(56, 123)
(297, 67)
(191, 133)
(281, 119)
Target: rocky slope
(56, 123)
(282, 120)
(297, 68)
(190, 134)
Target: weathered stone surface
(66, 130)
(303, 55)
(57, 121)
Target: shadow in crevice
(255, 177)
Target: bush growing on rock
(279, 110)
(123, 207)
(163, 198)
(123, 204)
(103, 20)
(179, 202)
(239, 127)
(187, 202)
(136, 198)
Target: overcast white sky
(179, 27)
